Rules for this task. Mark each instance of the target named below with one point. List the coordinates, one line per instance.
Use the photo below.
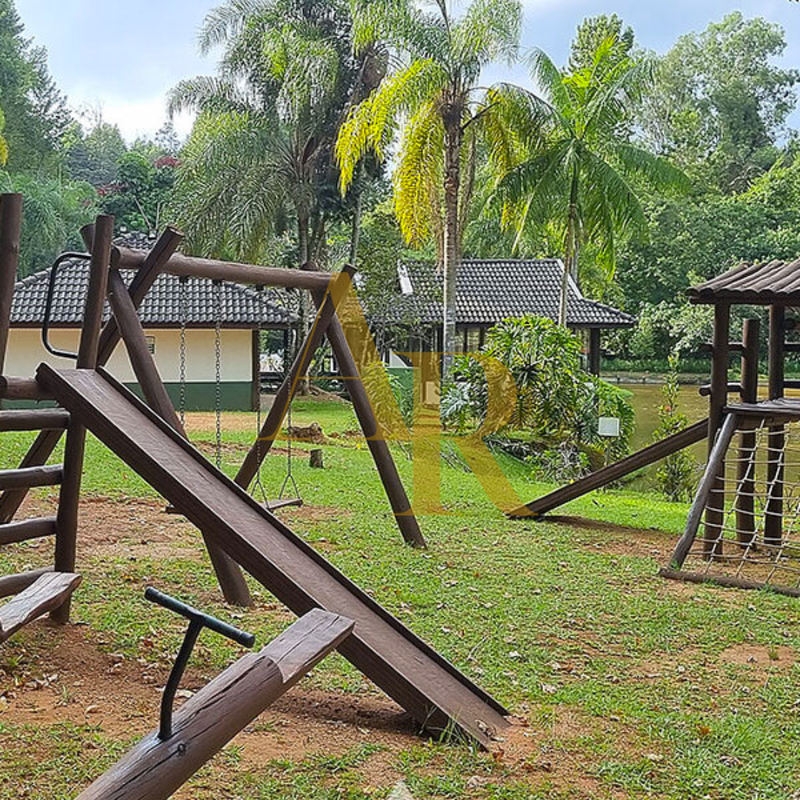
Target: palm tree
(434, 96)
(566, 159)
(260, 154)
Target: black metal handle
(197, 621)
(48, 306)
(212, 623)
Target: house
(487, 292)
(242, 313)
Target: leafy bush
(558, 403)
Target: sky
(120, 61)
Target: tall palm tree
(566, 158)
(261, 152)
(434, 97)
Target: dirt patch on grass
(622, 540)
(309, 513)
(760, 658)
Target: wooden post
(10, 227)
(230, 577)
(715, 510)
(69, 497)
(745, 477)
(595, 353)
(156, 769)
(773, 512)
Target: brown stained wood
(729, 581)
(33, 420)
(190, 266)
(271, 427)
(768, 283)
(30, 477)
(704, 489)
(96, 293)
(41, 449)
(10, 227)
(13, 388)
(231, 580)
(316, 459)
(14, 584)
(745, 467)
(47, 593)
(26, 529)
(602, 477)
(151, 268)
(431, 689)
(379, 448)
(776, 439)
(155, 769)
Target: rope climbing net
(751, 532)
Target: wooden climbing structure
(744, 526)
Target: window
(151, 344)
(473, 340)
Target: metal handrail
(48, 306)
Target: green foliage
(719, 103)
(568, 162)
(558, 403)
(591, 34)
(676, 473)
(94, 157)
(54, 212)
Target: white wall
(26, 352)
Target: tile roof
(489, 291)
(242, 307)
(754, 284)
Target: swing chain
(217, 296)
(259, 439)
(184, 313)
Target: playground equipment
(236, 528)
(748, 498)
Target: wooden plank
(431, 689)
(704, 489)
(10, 227)
(613, 472)
(30, 477)
(192, 267)
(746, 467)
(41, 449)
(728, 581)
(14, 584)
(26, 529)
(33, 419)
(776, 440)
(47, 593)
(155, 769)
(13, 388)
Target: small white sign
(608, 426)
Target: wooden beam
(192, 267)
(595, 353)
(41, 449)
(47, 593)
(152, 267)
(21, 389)
(746, 465)
(14, 584)
(613, 472)
(156, 769)
(74, 449)
(44, 419)
(27, 529)
(776, 439)
(10, 227)
(30, 477)
(704, 489)
(230, 577)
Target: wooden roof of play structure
(768, 283)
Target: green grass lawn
(558, 620)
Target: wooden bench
(46, 593)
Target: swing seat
(276, 505)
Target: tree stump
(316, 460)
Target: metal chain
(259, 439)
(217, 296)
(184, 312)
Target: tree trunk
(572, 249)
(452, 242)
(355, 232)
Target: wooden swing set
(238, 531)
